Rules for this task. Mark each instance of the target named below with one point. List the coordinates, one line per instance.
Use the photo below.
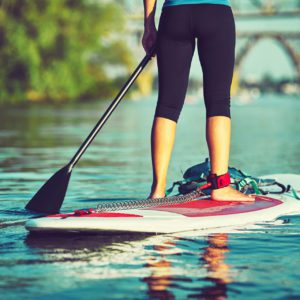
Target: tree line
(60, 50)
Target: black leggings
(179, 26)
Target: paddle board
(193, 215)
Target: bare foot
(157, 191)
(230, 194)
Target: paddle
(50, 196)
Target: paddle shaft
(109, 110)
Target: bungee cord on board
(148, 203)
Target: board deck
(198, 214)
(194, 215)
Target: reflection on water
(36, 141)
(161, 272)
(72, 242)
(218, 270)
(211, 260)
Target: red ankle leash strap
(217, 182)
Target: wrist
(149, 29)
(149, 24)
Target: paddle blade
(50, 196)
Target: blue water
(258, 263)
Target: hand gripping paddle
(50, 196)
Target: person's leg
(162, 141)
(218, 131)
(216, 52)
(175, 48)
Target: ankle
(159, 184)
(219, 172)
(158, 189)
(218, 181)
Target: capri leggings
(212, 26)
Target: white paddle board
(193, 215)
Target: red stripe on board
(96, 215)
(209, 208)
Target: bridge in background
(265, 11)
